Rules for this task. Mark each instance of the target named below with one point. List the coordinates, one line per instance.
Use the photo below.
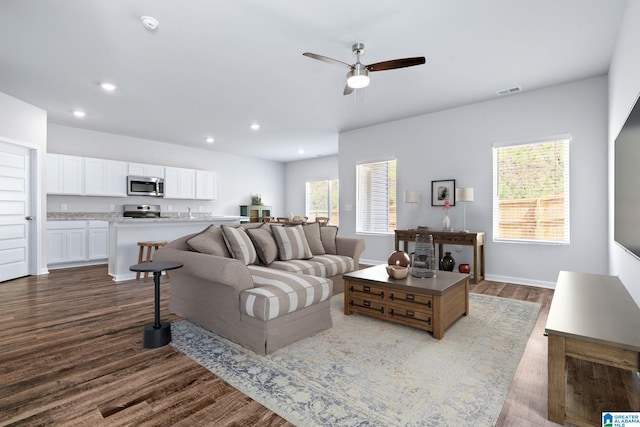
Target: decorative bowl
(397, 271)
(464, 268)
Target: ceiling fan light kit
(358, 75)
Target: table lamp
(464, 194)
(411, 196)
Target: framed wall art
(442, 191)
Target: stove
(141, 211)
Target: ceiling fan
(358, 75)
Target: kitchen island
(125, 233)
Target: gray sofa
(261, 302)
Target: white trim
(561, 136)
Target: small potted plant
(256, 200)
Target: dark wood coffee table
(431, 304)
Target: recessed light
(109, 87)
(79, 113)
(149, 22)
(300, 151)
(255, 126)
(209, 139)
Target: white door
(14, 211)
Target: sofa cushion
(328, 236)
(312, 233)
(277, 293)
(210, 241)
(320, 265)
(264, 244)
(292, 243)
(239, 244)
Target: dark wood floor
(71, 354)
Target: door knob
(28, 217)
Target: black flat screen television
(626, 224)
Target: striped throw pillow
(292, 243)
(239, 244)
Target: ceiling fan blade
(396, 63)
(326, 59)
(347, 90)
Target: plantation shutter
(376, 194)
(531, 192)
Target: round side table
(156, 334)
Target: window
(376, 197)
(531, 192)
(322, 200)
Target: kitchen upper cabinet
(65, 174)
(206, 185)
(105, 178)
(141, 169)
(179, 183)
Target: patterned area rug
(365, 371)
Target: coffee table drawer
(366, 291)
(424, 301)
(370, 306)
(409, 315)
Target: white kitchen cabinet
(105, 178)
(179, 183)
(98, 240)
(142, 169)
(206, 185)
(65, 174)
(72, 243)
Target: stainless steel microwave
(145, 186)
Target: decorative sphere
(464, 268)
(399, 258)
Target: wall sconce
(464, 195)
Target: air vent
(510, 90)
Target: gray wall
(238, 177)
(298, 173)
(457, 144)
(624, 87)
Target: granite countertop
(118, 217)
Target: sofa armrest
(351, 247)
(226, 271)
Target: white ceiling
(214, 67)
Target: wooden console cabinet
(441, 238)
(594, 318)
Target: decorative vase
(448, 262)
(446, 223)
(464, 268)
(399, 258)
(424, 261)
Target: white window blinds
(376, 197)
(531, 192)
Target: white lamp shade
(411, 196)
(464, 194)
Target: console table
(441, 238)
(592, 317)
